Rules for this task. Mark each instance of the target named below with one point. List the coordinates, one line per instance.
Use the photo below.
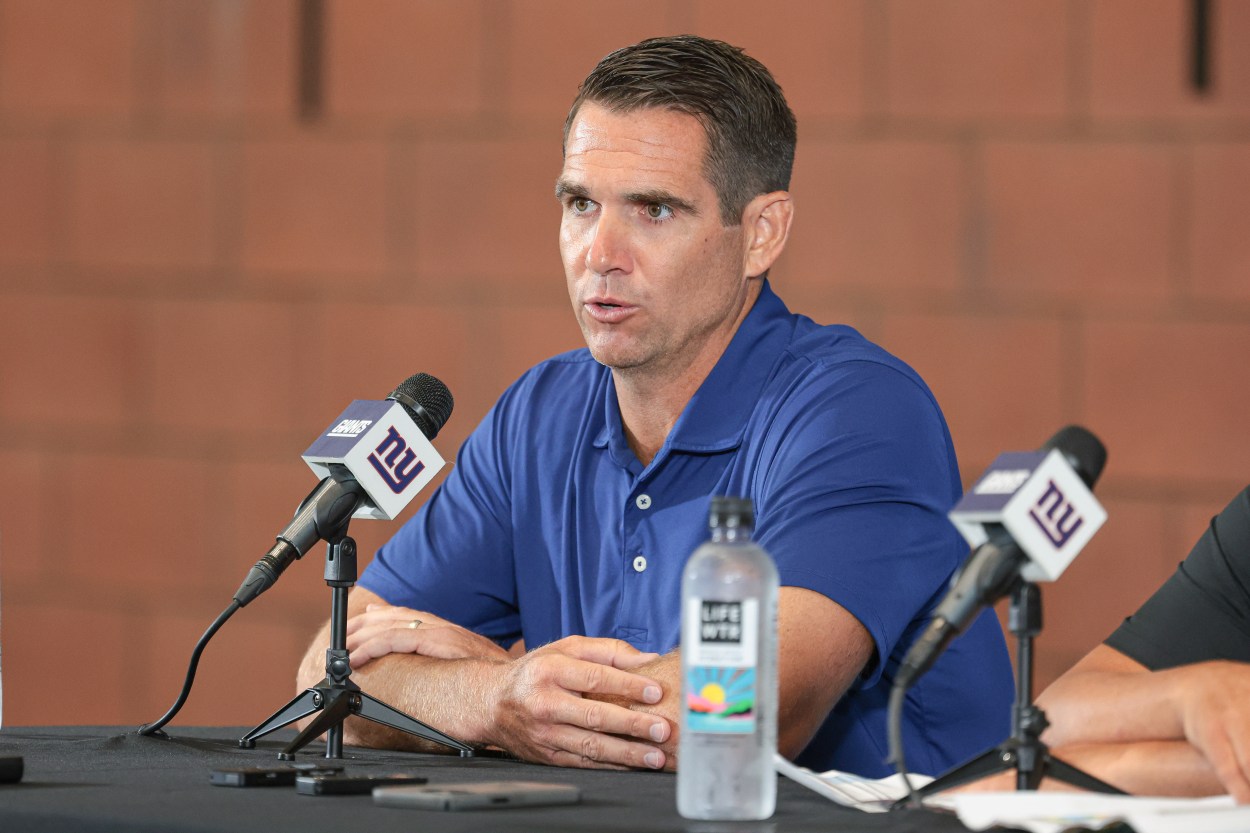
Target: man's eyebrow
(564, 188)
(655, 197)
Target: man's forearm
(1108, 697)
(449, 695)
(1172, 767)
(1109, 707)
(533, 706)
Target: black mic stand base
(336, 703)
(1007, 757)
(336, 697)
(1024, 751)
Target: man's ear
(767, 224)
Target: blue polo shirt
(549, 526)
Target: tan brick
(552, 46)
(977, 59)
(70, 362)
(398, 340)
(876, 215)
(137, 522)
(27, 201)
(527, 336)
(487, 213)
(1167, 398)
(224, 60)
(316, 206)
(1140, 57)
(147, 204)
(1090, 222)
(64, 58)
(26, 517)
(61, 663)
(1220, 227)
(815, 50)
(224, 366)
(404, 59)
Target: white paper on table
(872, 795)
(1053, 812)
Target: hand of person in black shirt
(1179, 731)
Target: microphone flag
(1042, 503)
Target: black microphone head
(1084, 452)
(426, 400)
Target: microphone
(1026, 518)
(372, 460)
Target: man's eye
(658, 211)
(580, 204)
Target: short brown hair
(750, 129)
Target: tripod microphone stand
(1023, 751)
(336, 697)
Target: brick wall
(1025, 200)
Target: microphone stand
(1023, 751)
(336, 697)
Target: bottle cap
(731, 513)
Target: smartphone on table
(340, 784)
(477, 796)
(269, 776)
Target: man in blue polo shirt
(533, 602)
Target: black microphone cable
(894, 729)
(429, 403)
(154, 729)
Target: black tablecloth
(93, 779)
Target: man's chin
(614, 356)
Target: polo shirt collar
(716, 416)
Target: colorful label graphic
(720, 700)
(720, 649)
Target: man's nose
(609, 248)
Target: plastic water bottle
(729, 672)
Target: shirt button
(640, 564)
(643, 501)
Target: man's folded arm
(446, 694)
(534, 706)
(1108, 699)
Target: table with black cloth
(109, 778)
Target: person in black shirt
(1162, 707)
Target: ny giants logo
(400, 466)
(1058, 522)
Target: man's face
(657, 283)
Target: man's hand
(541, 714)
(822, 648)
(1214, 709)
(387, 629)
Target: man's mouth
(608, 310)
